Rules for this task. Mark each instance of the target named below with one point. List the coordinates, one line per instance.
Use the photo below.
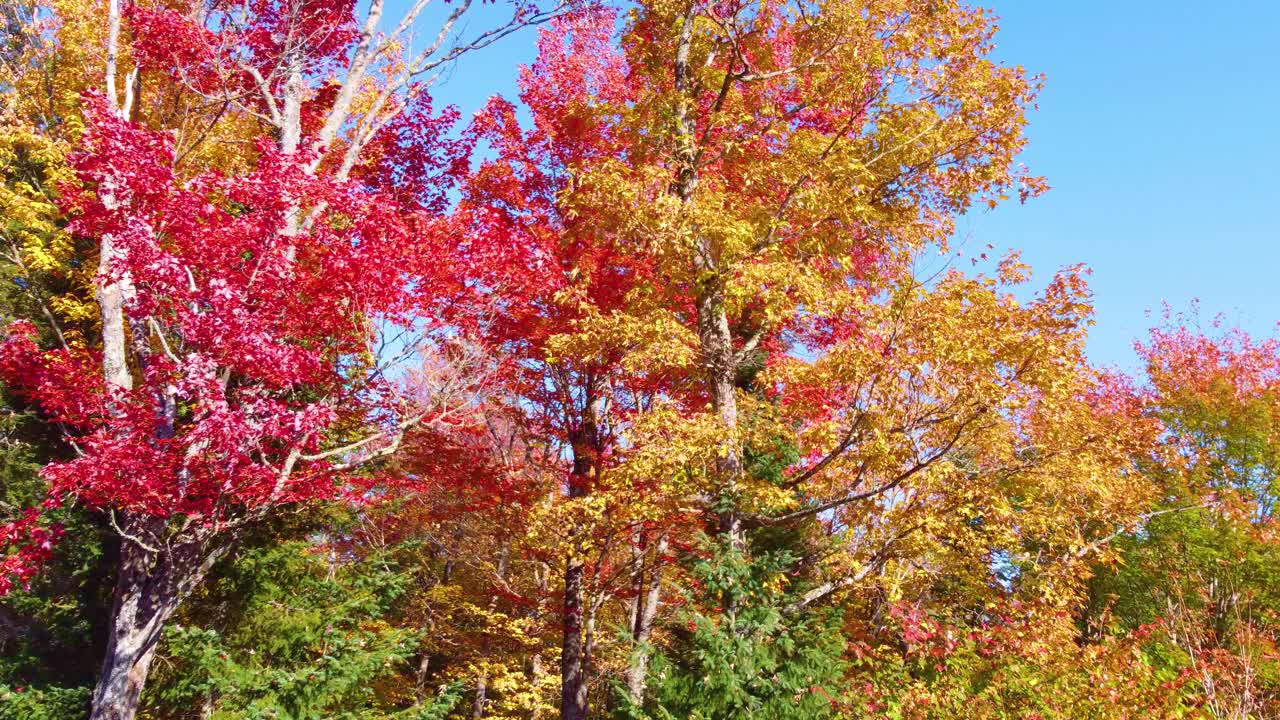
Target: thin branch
(886, 487)
(396, 434)
(829, 588)
(111, 515)
(1097, 544)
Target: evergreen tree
(292, 629)
(737, 650)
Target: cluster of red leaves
(1184, 359)
(28, 546)
(168, 42)
(256, 329)
(413, 159)
(923, 635)
(523, 249)
(254, 38)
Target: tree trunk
(110, 296)
(648, 593)
(150, 585)
(542, 573)
(715, 338)
(573, 655)
(721, 367)
(588, 645)
(535, 679)
(482, 689)
(482, 682)
(573, 687)
(134, 625)
(421, 675)
(291, 104)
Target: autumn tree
(241, 302)
(1199, 577)
(772, 173)
(786, 151)
(680, 387)
(547, 270)
(782, 167)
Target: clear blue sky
(1159, 131)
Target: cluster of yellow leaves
(917, 126)
(43, 75)
(1034, 671)
(34, 169)
(972, 422)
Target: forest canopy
(654, 390)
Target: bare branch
(897, 480)
(1143, 518)
(396, 435)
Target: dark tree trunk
(573, 676)
(151, 583)
(574, 655)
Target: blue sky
(1158, 131)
